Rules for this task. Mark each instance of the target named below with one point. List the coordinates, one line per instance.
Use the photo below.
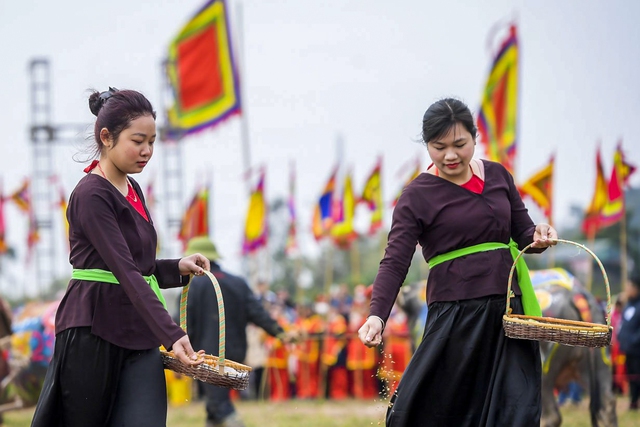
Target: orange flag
(540, 188)
(613, 209)
(591, 222)
(195, 221)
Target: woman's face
(452, 153)
(135, 146)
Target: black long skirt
(467, 373)
(93, 383)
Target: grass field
(348, 413)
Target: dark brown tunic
(106, 232)
(442, 216)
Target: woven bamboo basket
(214, 370)
(567, 332)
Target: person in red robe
(278, 360)
(396, 350)
(361, 360)
(311, 327)
(334, 355)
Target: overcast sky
(362, 70)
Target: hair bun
(95, 103)
(97, 100)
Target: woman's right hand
(371, 332)
(185, 353)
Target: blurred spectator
(334, 355)
(361, 360)
(619, 385)
(342, 300)
(629, 337)
(311, 327)
(241, 307)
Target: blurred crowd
(324, 358)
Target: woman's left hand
(544, 236)
(194, 264)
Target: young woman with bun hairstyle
(469, 219)
(106, 368)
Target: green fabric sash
(529, 300)
(104, 276)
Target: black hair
(443, 115)
(115, 109)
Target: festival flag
(3, 242)
(195, 221)
(256, 224)
(591, 222)
(21, 196)
(322, 216)
(624, 169)
(540, 188)
(497, 118)
(292, 245)
(372, 196)
(342, 213)
(614, 208)
(33, 234)
(417, 170)
(202, 71)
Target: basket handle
(604, 274)
(221, 315)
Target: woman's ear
(105, 137)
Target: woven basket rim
(210, 364)
(604, 274)
(212, 361)
(554, 323)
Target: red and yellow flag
(498, 115)
(591, 222)
(343, 211)
(256, 224)
(202, 71)
(623, 169)
(21, 197)
(372, 196)
(614, 207)
(540, 188)
(195, 221)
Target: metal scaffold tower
(44, 136)
(172, 170)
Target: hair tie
(107, 94)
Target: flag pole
(252, 266)
(244, 119)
